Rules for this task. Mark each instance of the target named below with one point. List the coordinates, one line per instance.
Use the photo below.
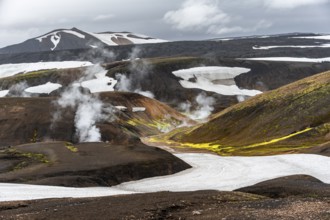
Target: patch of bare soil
(87, 164)
(169, 205)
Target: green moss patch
(71, 147)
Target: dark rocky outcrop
(171, 205)
(297, 185)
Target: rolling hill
(293, 118)
(124, 117)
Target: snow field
(3, 93)
(230, 173)
(107, 38)
(209, 172)
(44, 88)
(102, 83)
(209, 79)
(7, 70)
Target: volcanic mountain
(70, 39)
(293, 118)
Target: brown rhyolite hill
(48, 152)
(26, 120)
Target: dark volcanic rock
(86, 164)
(297, 185)
(266, 76)
(170, 205)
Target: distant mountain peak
(74, 38)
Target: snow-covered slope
(123, 38)
(69, 39)
(55, 37)
(209, 172)
(7, 70)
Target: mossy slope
(288, 119)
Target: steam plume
(139, 70)
(203, 109)
(89, 109)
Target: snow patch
(55, 37)
(3, 93)
(290, 59)
(208, 172)
(230, 173)
(65, 31)
(214, 79)
(7, 70)
(291, 46)
(16, 192)
(322, 37)
(138, 109)
(142, 39)
(74, 33)
(102, 83)
(121, 108)
(44, 88)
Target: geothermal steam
(139, 70)
(202, 111)
(18, 90)
(89, 109)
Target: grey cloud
(196, 14)
(166, 19)
(208, 16)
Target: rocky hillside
(125, 117)
(157, 76)
(85, 164)
(290, 119)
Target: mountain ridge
(74, 38)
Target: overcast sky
(166, 19)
